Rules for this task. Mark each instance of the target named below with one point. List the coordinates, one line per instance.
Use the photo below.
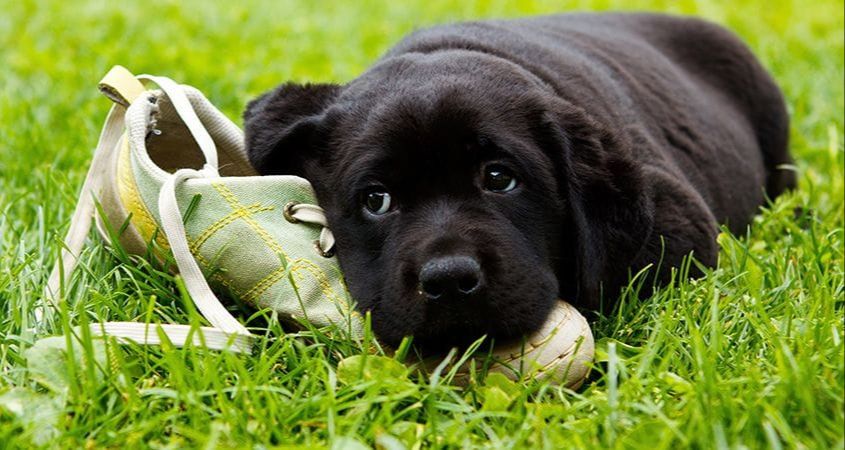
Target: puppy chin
(438, 327)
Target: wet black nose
(450, 277)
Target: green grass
(749, 356)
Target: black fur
(633, 136)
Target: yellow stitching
(216, 275)
(319, 277)
(276, 275)
(235, 204)
(271, 279)
(300, 278)
(328, 289)
(131, 198)
(295, 267)
(264, 284)
(229, 218)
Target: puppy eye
(377, 201)
(499, 179)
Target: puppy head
(444, 184)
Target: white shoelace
(226, 331)
(313, 214)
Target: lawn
(750, 356)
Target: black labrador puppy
(480, 171)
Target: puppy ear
(611, 211)
(283, 127)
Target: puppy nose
(450, 276)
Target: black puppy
(480, 171)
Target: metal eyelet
(288, 212)
(324, 254)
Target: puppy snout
(450, 277)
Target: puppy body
(632, 136)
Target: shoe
(171, 170)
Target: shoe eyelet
(324, 254)
(288, 212)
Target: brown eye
(499, 179)
(377, 201)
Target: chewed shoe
(170, 169)
(560, 351)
